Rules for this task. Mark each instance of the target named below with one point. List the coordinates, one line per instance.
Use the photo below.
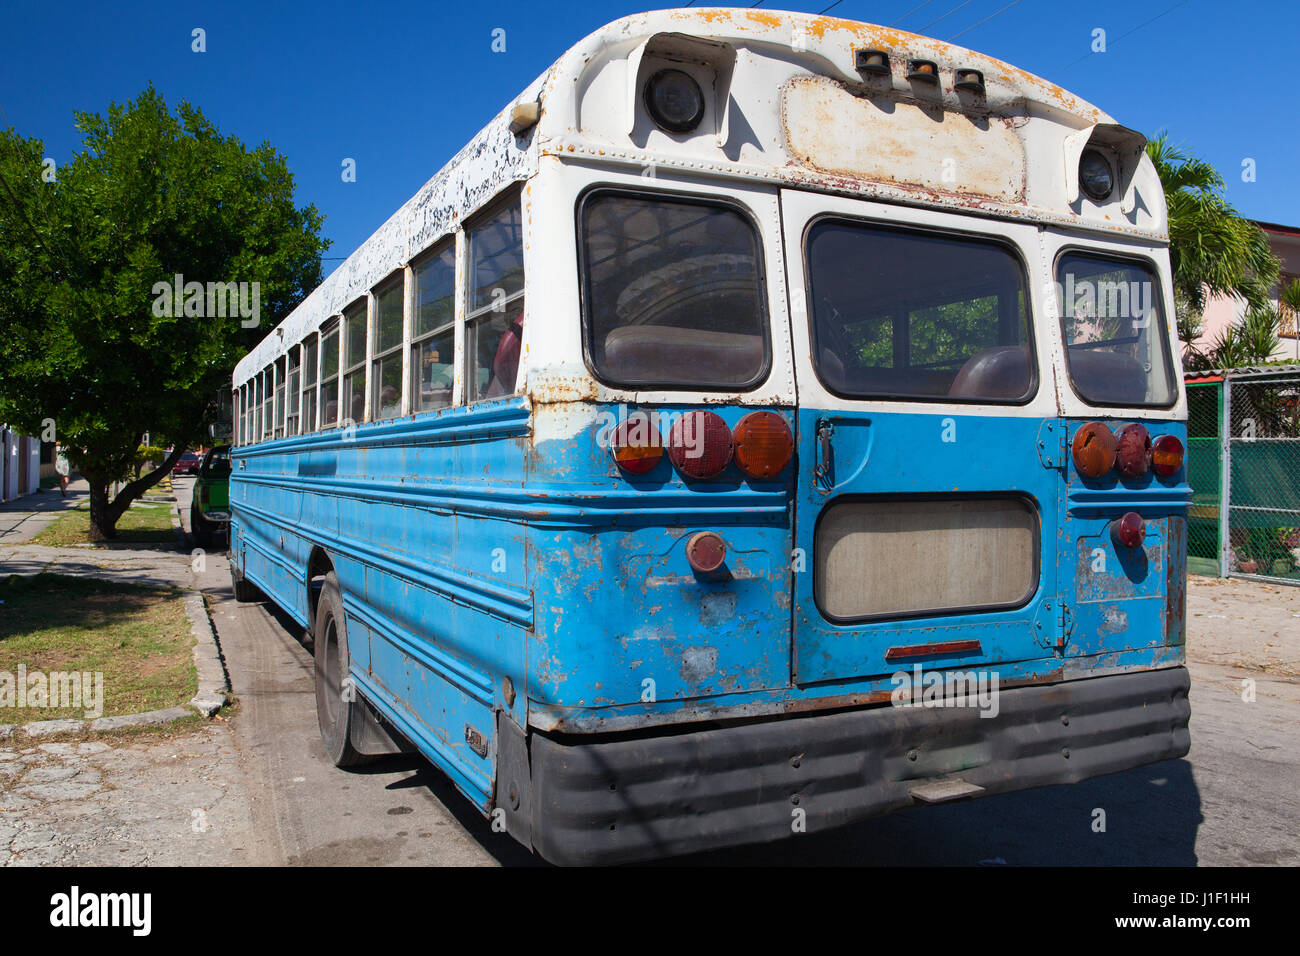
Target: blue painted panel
(915, 454)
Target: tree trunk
(104, 513)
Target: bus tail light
(764, 444)
(1129, 530)
(1133, 451)
(1166, 455)
(636, 445)
(1094, 450)
(700, 444)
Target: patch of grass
(145, 523)
(138, 637)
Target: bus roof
(791, 107)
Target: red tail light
(706, 551)
(1130, 530)
(1094, 450)
(1133, 451)
(636, 445)
(764, 444)
(1166, 455)
(700, 444)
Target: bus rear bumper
(635, 798)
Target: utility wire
(910, 12)
(945, 16)
(985, 20)
(1123, 35)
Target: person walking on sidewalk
(62, 467)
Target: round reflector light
(636, 444)
(1166, 455)
(674, 101)
(1094, 450)
(700, 444)
(1129, 531)
(706, 551)
(1133, 451)
(764, 444)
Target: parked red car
(187, 464)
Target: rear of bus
(859, 428)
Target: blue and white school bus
(765, 422)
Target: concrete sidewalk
(24, 518)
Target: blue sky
(400, 86)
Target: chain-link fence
(1263, 474)
(1243, 429)
(1204, 471)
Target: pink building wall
(1222, 311)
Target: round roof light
(674, 100)
(1096, 178)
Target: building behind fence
(1244, 468)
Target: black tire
(244, 591)
(200, 529)
(334, 713)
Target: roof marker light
(927, 71)
(971, 81)
(875, 62)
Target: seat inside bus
(1121, 379)
(636, 353)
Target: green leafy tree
(91, 344)
(1213, 250)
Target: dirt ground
(1248, 624)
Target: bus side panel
(422, 521)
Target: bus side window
(329, 376)
(433, 330)
(495, 309)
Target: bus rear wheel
(336, 695)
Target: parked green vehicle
(210, 506)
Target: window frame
(348, 369)
(280, 405)
(310, 342)
(293, 390)
(469, 316)
(331, 326)
(1149, 266)
(974, 238)
(416, 340)
(396, 281)
(594, 191)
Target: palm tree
(1212, 248)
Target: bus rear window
(672, 293)
(917, 315)
(1115, 341)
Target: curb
(214, 686)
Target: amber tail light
(700, 444)
(764, 445)
(1094, 450)
(1166, 455)
(636, 445)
